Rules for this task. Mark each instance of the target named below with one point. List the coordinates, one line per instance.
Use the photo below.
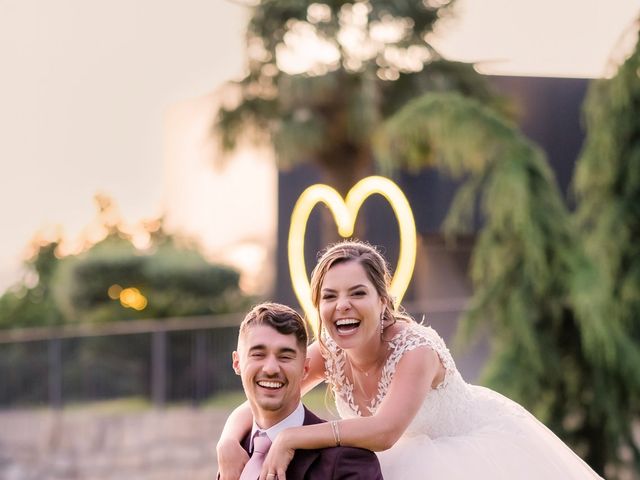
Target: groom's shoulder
(349, 462)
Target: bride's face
(350, 306)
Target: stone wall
(171, 444)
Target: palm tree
(361, 61)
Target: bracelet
(336, 432)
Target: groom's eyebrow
(262, 347)
(290, 350)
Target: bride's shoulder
(404, 331)
(411, 335)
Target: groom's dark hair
(283, 319)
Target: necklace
(359, 384)
(362, 371)
(366, 371)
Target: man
(271, 359)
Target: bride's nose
(343, 304)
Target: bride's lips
(347, 326)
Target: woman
(399, 393)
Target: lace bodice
(453, 407)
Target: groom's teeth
(270, 384)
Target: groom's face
(272, 366)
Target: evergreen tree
(607, 184)
(534, 290)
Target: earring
(381, 323)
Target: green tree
(167, 281)
(607, 184)
(171, 278)
(534, 289)
(30, 302)
(372, 56)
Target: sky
(117, 97)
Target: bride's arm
(230, 455)
(412, 380)
(316, 368)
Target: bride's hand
(231, 459)
(278, 459)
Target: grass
(116, 405)
(316, 400)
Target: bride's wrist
(285, 438)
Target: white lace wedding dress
(461, 431)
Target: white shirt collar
(295, 419)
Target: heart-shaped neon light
(345, 212)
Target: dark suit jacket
(343, 463)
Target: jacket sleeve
(356, 464)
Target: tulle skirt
(512, 448)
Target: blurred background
(151, 156)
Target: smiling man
(272, 361)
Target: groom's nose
(270, 365)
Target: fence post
(159, 368)
(200, 366)
(55, 373)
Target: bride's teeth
(347, 321)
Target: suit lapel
(303, 459)
(245, 442)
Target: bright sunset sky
(113, 97)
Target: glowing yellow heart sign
(344, 212)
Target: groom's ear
(235, 362)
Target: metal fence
(186, 360)
(169, 360)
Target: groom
(271, 359)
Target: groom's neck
(268, 418)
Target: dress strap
(413, 336)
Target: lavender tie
(261, 444)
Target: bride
(398, 393)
